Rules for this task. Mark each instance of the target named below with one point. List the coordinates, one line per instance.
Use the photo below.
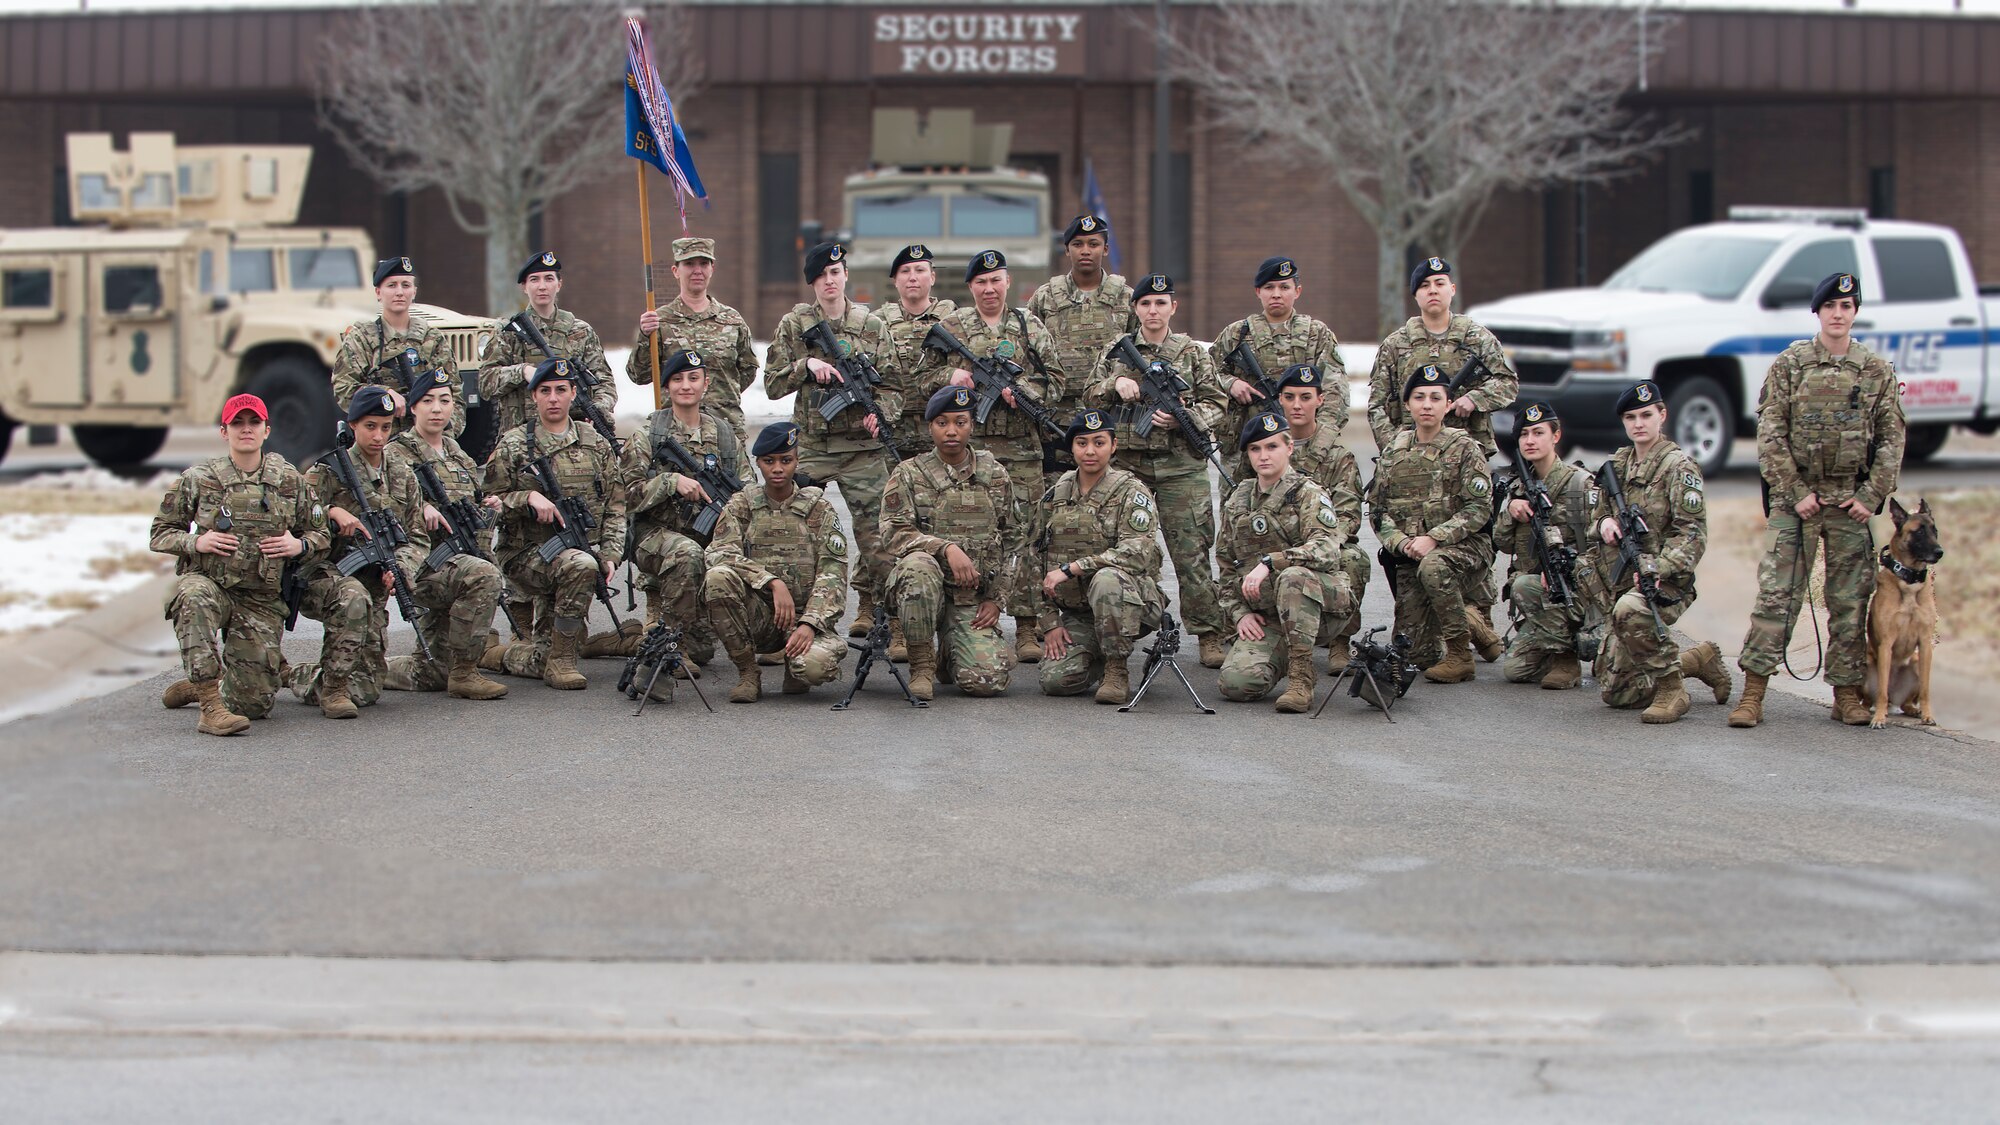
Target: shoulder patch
(1326, 513)
(1479, 486)
(1691, 500)
(836, 544)
(1691, 478)
(1141, 518)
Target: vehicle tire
(1701, 421)
(120, 447)
(482, 432)
(1922, 443)
(6, 435)
(299, 394)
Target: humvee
(189, 284)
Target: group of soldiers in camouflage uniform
(957, 522)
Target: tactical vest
(267, 503)
(781, 538)
(1255, 526)
(965, 511)
(1076, 526)
(1833, 430)
(1411, 484)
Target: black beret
(426, 382)
(1640, 395)
(1535, 413)
(544, 262)
(550, 369)
(914, 252)
(822, 256)
(1090, 422)
(1259, 427)
(1837, 285)
(1086, 224)
(775, 438)
(371, 400)
(983, 263)
(680, 359)
(1301, 375)
(948, 400)
(1276, 269)
(1428, 268)
(390, 267)
(1152, 285)
(1429, 375)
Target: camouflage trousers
(1187, 524)
(355, 616)
(1101, 633)
(1296, 605)
(862, 474)
(745, 621)
(250, 626)
(671, 566)
(1358, 567)
(1634, 655)
(563, 588)
(980, 659)
(458, 600)
(1544, 631)
(1431, 595)
(1026, 474)
(1784, 579)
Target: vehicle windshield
(898, 216)
(995, 216)
(325, 267)
(1716, 268)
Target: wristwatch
(1268, 564)
(1071, 574)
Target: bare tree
(501, 105)
(1420, 110)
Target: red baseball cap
(237, 404)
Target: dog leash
(1819, 643)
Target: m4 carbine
(858, 379)
(523, 325)
(382, 533)
(1160, 388)
(1633, 557)
(707, 472)
(1557, 559)
(1245, 362)
(991, 375)
(573, 524)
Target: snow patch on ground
(94, 479)
(56, 566)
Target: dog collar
(1910, 574)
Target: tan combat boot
(215, 717)
(613, 643)
(1303, 677)
(1670, 700)
(1848, 708)
(1457, 666)
(899, 649)
(923, 668)
(179, 694)
(1116, 687)
(749, 678)
(333, 700)
(559, 670)
(1704, 662)
(864, 615)
(1213, 651)
(1564, 672)
(1027, 641)
(465, 682)
(494, 659)
(1484, 638)
(1749, 710)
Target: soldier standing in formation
(1085, 311)
(1431, 501)
(353, 660)
(369, 350)
(952, 525)
(907, 322)
(1642, 664)
(1100, 567)
(232, 524)
(777, 574)
(1548, 638)
(585, 468)
(697, 322)
(510, 359)
(1830, 435)
(1280, 337)
(459, 596)
(1318, 454)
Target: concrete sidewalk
(121, 642)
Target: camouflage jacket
(652, 483)
(798, 542)
(1440, 488)
(1294, 522)
(1300, 339)
(1332, 466)
(1412, 346)
(1667, 487)
(456, 471)
(367, 355)
(1570, 490)
(1082, 325)
(585, 468)
(929, 505)
(722, 337)
(391, 485)
(1020, 337)
(1204, 400)
(1115, 525)
(785, 373)
(1830, 426)
(904, 354)
(502, 381)
(269, 502)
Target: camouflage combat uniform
(1543, 630)
(665, 549)
(1300, 339)
(1083, 324)
(1667, 487)
(1110, 539)
(1411, 347)
(235, 597)
(899, 363)
(1833, 427)
(1331, 465)
(928, 506)
(841, 451)
(1440, 488)
(505, 385)
(368, 352)
(1177, 476)
(722, 337)
(458, 597)
(1295, 523)
(798, 542)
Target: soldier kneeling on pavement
(772, 546)
(1282, 579)
(952, 523)
(1548, 638)
(1101, 552)
(232, 524)
(1318, 454)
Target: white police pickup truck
(1706, 309)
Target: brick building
(1900, 114)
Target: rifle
(523, 325)
(858, 379)
(660, 650)
(874, 648)
(1472, 372)
(707, 472)
(1557, 558)
(1160, 388)
(464, 519)
(1373, 669)
(384, 533)
(1245, 361)
(1160, 654)
(574, 522)
(1632, 548)
(991, 376)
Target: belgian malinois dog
(1902, 620)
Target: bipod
(1160, 654)
(660, 650)
(874, 647)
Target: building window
(777, 216)
(1881, 193)
(1701, 196)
